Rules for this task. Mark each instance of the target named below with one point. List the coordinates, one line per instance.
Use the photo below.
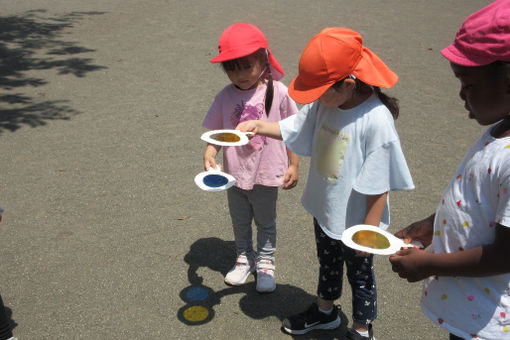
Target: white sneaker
(240, 272)
(265, 276)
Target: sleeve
(384, 169)
(288, 106)
(503, 209)
(214, 118)
(298, 130)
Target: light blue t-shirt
(354, 153)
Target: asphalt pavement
(106, 236)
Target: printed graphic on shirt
(330, 149)
(243, 112)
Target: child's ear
(349, 84)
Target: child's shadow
(219, 255)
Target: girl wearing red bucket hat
(356, 159)
(264, 164)
(466, 270)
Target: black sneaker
(311, 319)
(353, 335)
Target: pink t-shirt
(264, 160)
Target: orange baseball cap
(240, 40)
(332, 55)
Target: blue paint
(197, 294)
(215, 181)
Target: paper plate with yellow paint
(374, 240)
(226, 137)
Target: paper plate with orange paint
(226, 137)
(374, 240)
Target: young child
(467, 269)
(356, 158)
(264, 164)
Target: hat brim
(453, 54)
(276, 68)
(305, 94)
(233, 54)
(373, 71)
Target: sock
(327, 312)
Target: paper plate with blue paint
(214, 180)
(374, 240)
(226, 137)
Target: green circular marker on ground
(196, 313)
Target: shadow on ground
(34, 41)
(218, 255)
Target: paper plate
(214, 180)
(226, 137)
(374, 240)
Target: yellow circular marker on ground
(196, 313)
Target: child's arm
(490, 259)
(292, 175)
(263, 128)
(210, 153)
(375, 208)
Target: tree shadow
(33, 41)
(218, 255)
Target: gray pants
(258, 204)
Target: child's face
(337, 97)
(486, 93)
(245, 72)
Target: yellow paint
(371, 239)
(437, 233)
(196, 313)
(505, 329)
(487, 290)
(226, 137)
(465, 224)
(444, 297)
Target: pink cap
(483, 38)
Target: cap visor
(233, 54)
(304, 94)
(453, 54)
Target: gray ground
(101, 104)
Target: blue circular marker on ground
(197, 294)
(215, 181)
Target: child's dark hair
(390, 102)
(260, 54)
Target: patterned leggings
(360, 273)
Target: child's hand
(248, 126)
(291, 177)
(411, 264)
(210, 157)
(420, 231)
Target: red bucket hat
(483, 38)
(332, 55)
(240, 40)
